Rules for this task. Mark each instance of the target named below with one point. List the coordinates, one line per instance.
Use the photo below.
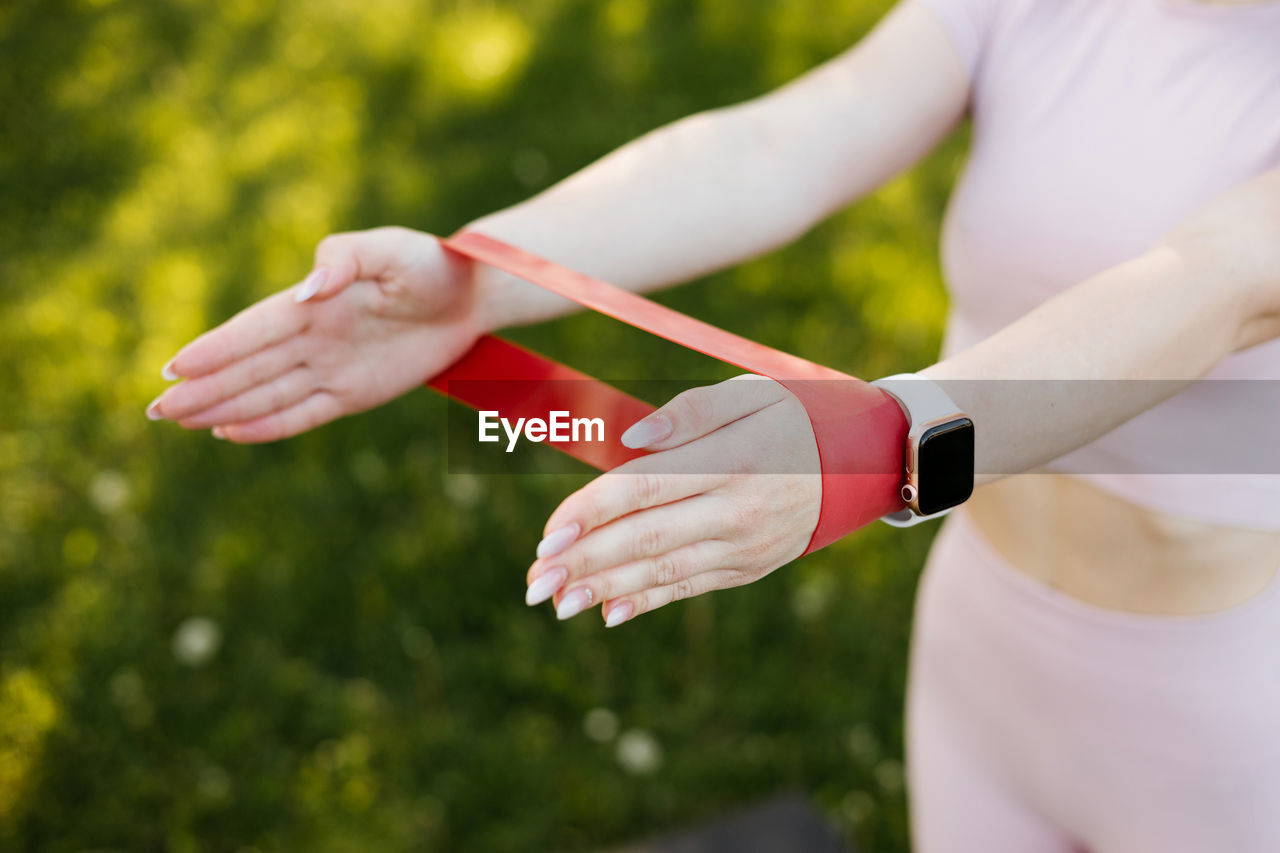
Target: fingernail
(219, 433)
(167, 373)
(574, 603)
(646, 431)
(557, 540)
(153, 410)
(619, 614)
(545, 586)
(311, 285)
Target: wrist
(503, 300)
(491, 295)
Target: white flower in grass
(213, 784)
(463, 490)
(130, 695)
(864, 746)
(109, 491)
(196, 641)
(858, 807)
(638, 752)
(600, 724)
(890, 776)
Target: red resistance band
(860, 430)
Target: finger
(257, 327)
(358, 256)
(653, 572)
(639, 484)
(193, 396)
(640, 534)
(693, 413)
(628, 607)
(321, 407)
(274, 396)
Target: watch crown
(908, 493)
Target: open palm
(383, 311)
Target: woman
(1096, 659)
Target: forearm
(677, 203)
(1160, 318)
(717, 188)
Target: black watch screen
(944, 466)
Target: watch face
(944, 466)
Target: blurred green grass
(322, 644)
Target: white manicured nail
(557, 540)
(219, 433)
(545, 586)
(574, 603)
(646, 431)
(167, 373)
(311, 285)
(619, 614)
(153, 410)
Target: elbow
(1258, 329)
(1245, 284)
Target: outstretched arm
(719, 187)
(384, 310)
(641, 536)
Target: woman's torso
(1098, 125)
(1113, 553)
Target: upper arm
(854, 122)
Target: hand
(382, 311)
(650, 532)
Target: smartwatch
(939, 453)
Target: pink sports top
(1098, 125)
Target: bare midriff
(1114, 554)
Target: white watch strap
(907, 518)
(920, 397)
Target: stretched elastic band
(860, 430)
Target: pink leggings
(1036, 722)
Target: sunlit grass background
(322, 644)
